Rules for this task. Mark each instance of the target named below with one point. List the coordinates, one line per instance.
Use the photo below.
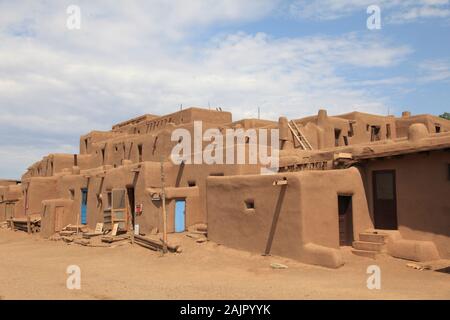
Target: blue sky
(134, 57)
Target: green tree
(445, 115)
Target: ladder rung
(299, 136)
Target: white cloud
(393, 11)
(127, 60)
(434, 70)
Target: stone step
(373, 237)
(368, 246)
(366, 253)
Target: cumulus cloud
(149, 57)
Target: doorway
(180, 215)
(59, 218)
(84, 193)
(375, 133)
(9, 210)
(345, 212)
(384, 199)
(337, 136)
(132, 205)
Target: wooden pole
(28, 225)
(78, 221)
(163, 202)
(131, 220)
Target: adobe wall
(49, 211)
(38, 189)
(7, 182)
(298, 220)
(361, 127)
(177, 181)
(429, 121)
(3, 203)
(69, 187)
(354, 128)
(423, 201)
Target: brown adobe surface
(34, 268)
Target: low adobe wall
(50, 222)
(298, 220)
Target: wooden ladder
(299, 136)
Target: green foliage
(445, 115)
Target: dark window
(350, 132)
(140, 152)
(388, 131)
(191, 183)
(109, 199)
(438, 129)
(103, 156)
(250, 204)
(375, 133)
(346, 140)
(337, 135)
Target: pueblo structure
(380, 184)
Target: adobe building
(378, 183)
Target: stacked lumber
(111, 239)
(76, 228)
(23, 224)
(88, 235)
(66, 233)
(154, 245)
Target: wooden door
(180, 215)
(384, 199)
(84, 194)
(345, 220)
(119, 210)
(59, 218)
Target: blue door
(180, 215)
(83, 206)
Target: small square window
(191, 183)
(250, 204)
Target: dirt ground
(35, 268)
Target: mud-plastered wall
(422, 190)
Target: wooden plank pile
(111, 239)
(97, 232)
(154, 245)
(30, 225)
(76, 228)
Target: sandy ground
(35, 268)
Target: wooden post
(131, 220)
(163, 202)
(78, 222)
(28, 225)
